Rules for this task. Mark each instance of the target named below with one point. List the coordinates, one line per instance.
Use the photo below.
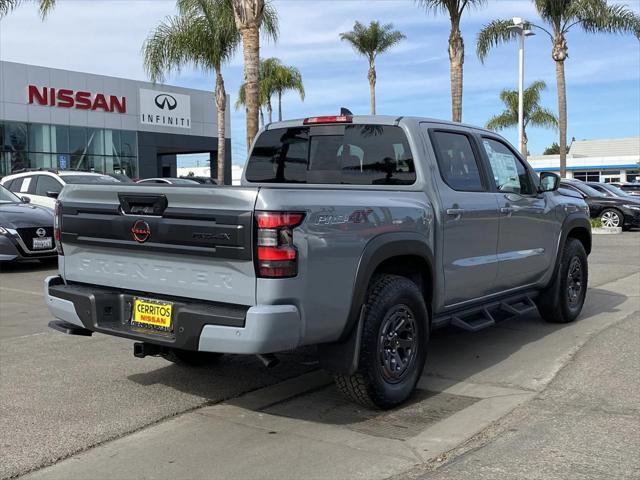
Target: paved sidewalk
(585, 425)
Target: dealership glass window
(39, 138)
(633, 175)
(587, 176)
(95, 163)
(42, 160)
(95, 141)
(128, 166)
(129, 147)
(77, 140)
(14, 146)
(112, 142)
(59, 139)
(15, 137)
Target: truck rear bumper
(204, 327)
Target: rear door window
(457, 161)
(23, 185)
(333, 154)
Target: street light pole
(523, 148)
(520, 25)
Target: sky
(603, 71)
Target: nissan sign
(68, 98)
(165, 109)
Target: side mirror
(53, 194)
(25, 199)
(549, 182)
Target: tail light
(277, 257)
(57, 224)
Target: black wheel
(393, 346)
(611, 218)
(189, 358)
(562, 301)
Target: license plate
(152, 313)
(44, 243)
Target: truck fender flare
(571, 222)
(342, 356)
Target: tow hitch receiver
(69, 328)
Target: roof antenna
(345, 111)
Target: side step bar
(69, 328)
(474, 319)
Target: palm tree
(275, 79)
(249, 15)
(287, 79)
(560, 16)
(204, 34)
(370, 42)
(242, 101)
(455, 9)
(534, 114)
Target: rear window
(328, 154)
(72, 179)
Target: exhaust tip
(269, 360)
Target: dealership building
(59, 119)
(611, 160)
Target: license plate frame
(42, 243)
(152, 314)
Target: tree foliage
(534, 114)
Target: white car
(42, 187)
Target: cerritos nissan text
(405, 224)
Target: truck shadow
(483, 357)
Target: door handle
(506, 210)
(455, 212)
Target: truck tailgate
(184, 241)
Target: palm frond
(453, 8)
(534, 114)
(203, 34)
(372, 40)
(544, 118)
(503, 120)
(45, 6)
(493, 34)
(597, 16)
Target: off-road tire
(187, 358)
(553, 303)
(367, 386)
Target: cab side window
(508, 172)
(457, 162)
(47, 184)
(22, 185)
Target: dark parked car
(631, 188)
(613, 211)
(26, 231)
(609, 190)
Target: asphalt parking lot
(110, 415)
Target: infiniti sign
(164, 109)
(164, 100)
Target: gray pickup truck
(358, 234)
